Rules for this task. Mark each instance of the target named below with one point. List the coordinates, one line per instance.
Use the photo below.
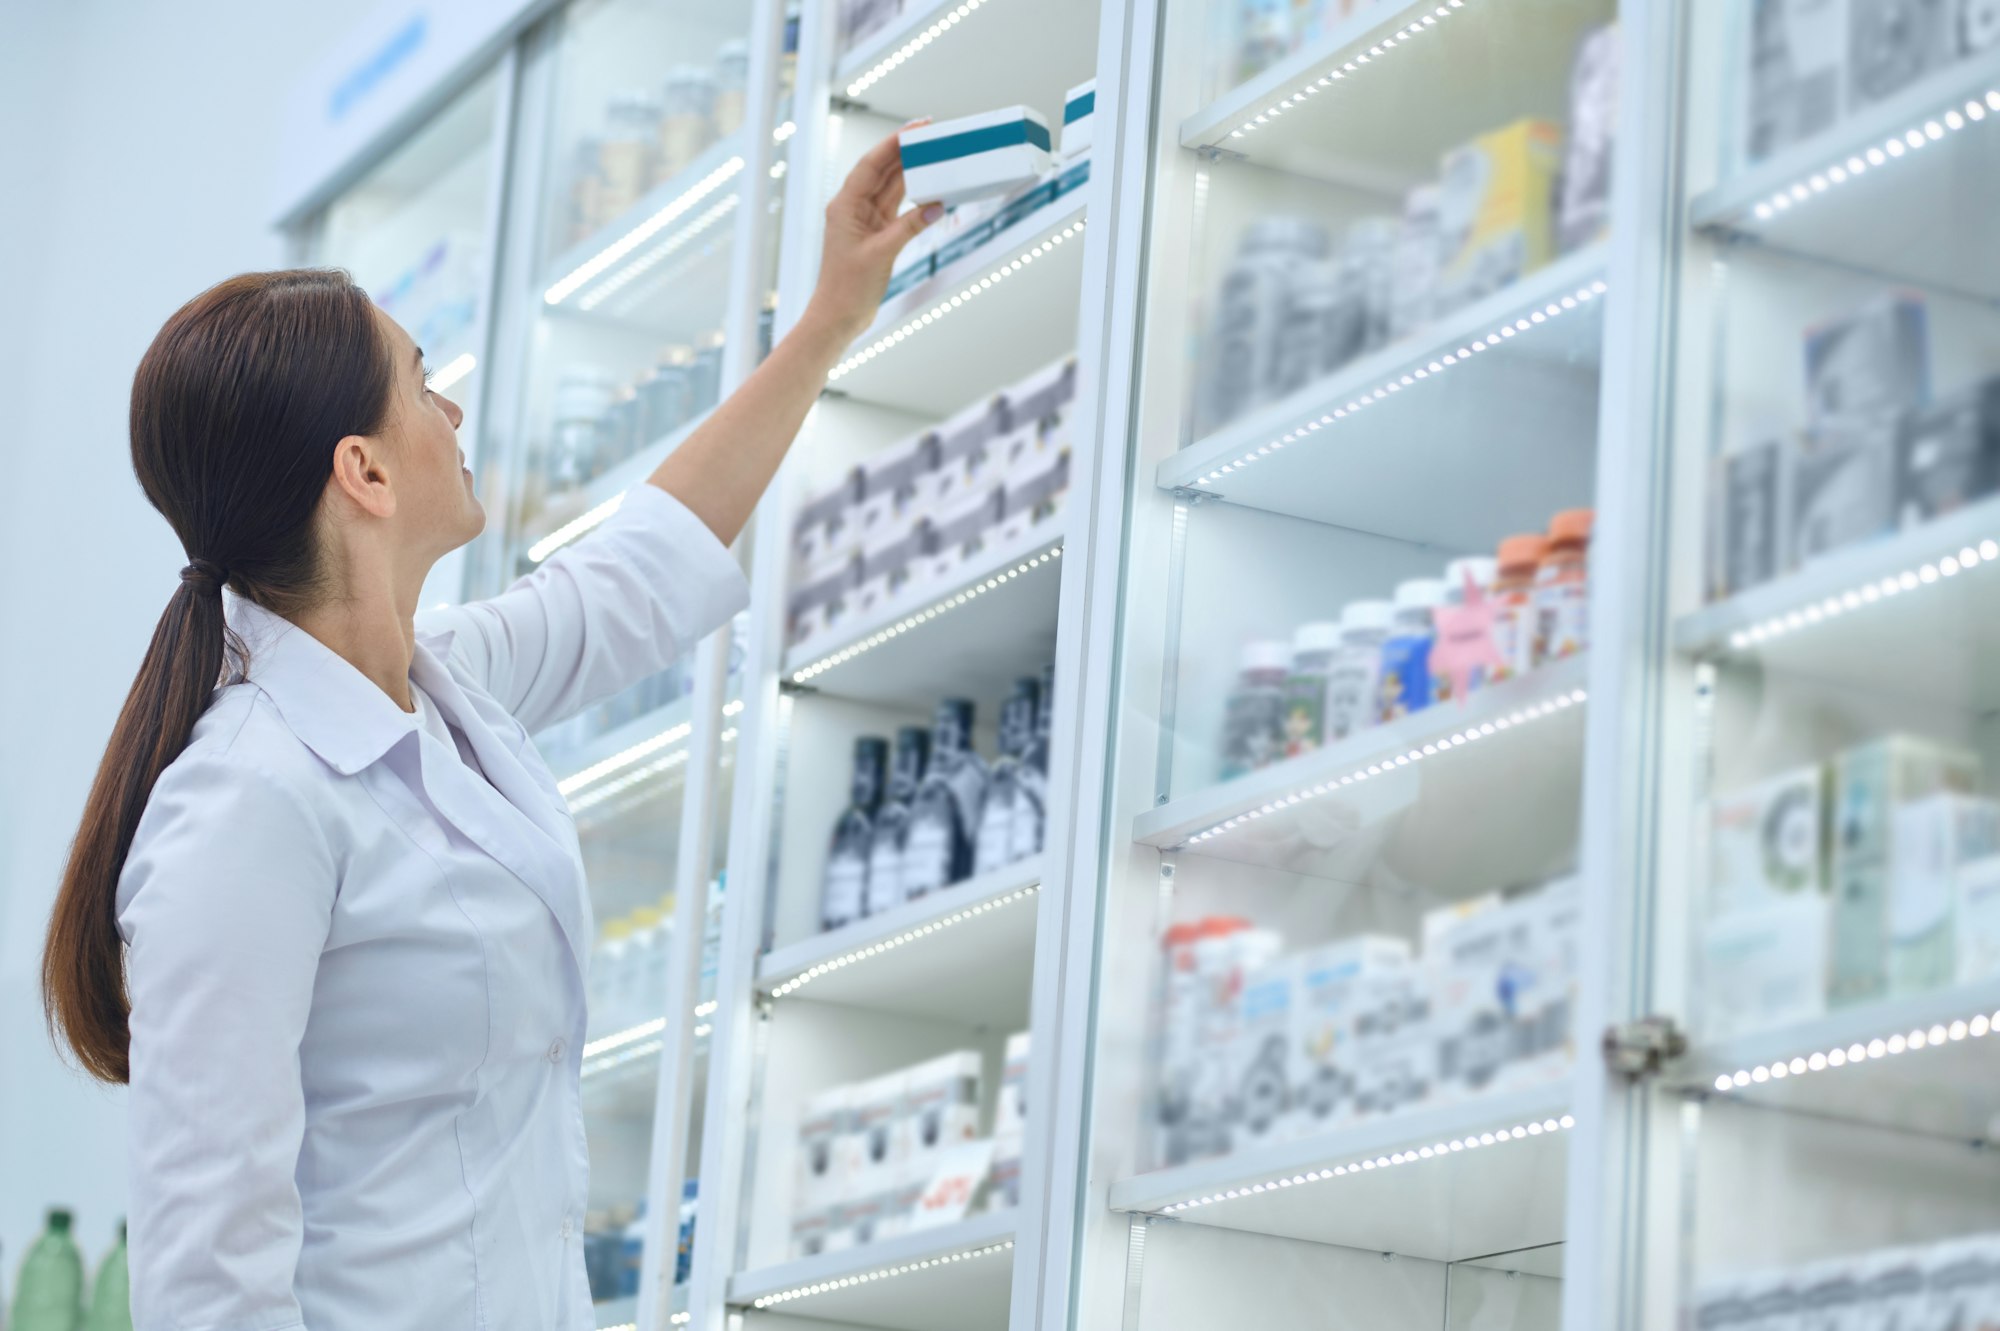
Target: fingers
(875, 168)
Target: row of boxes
(1833, 884)
(1954, 1284)
(902, 528)
(870, 1153)
(1257, 1047)
(977, 221)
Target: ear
(361, 475)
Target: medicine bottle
(1514, 615)
(1562, 588)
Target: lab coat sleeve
(225, 903)
(600, 615)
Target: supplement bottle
(1480, 570)
(1250, 313)
(938, 848)
(892, 820)
(1515, 620)
(844, 892)
(732, 75)
(1253, 728)
(1562, 588)
(1406, 656)
(1314, 648)
(1356, 681)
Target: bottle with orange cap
(1562, 588)
(1515, 618)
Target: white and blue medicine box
(1079, 113)
(974, 156)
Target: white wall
(137, 139)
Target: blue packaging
(1406, 685)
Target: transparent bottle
(994, 845)
(892, 821)
(844, 891)
(50, 1297)
(948, 806)
(1253, 727)
(111, 1296)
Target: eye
(429, 374)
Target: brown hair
(236, 408)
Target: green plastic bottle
(50, 1297)
(111, 1297)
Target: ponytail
(236, 409)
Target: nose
(453, 412)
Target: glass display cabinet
(1349, 877)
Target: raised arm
(721, 470)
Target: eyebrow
(417, 354)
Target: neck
(372, 627)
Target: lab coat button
(556, 1052)
(566, 1227)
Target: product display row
(944, 814)
(1258, 1045)
(52, 1289)
(1440, 639)
(1292, 307)
(906, 526)
(629, 966)
(614, 1242)
(903, 1152)
(1953, 1284)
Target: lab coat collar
(334, 709)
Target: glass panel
(1839, 370)
(642, 153)
(1341, 916)
(414, 232)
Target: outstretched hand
(866, 228)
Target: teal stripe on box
(1081, 107)
(973, 141)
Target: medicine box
(1025, 203)
(874, 1142)
(853, 1223)
(1079, 115)
(1893, 43)
(976, 156)
(1753, 499)
(809, 1233)
(1767, 844)
(1948, 454)
(1976, 912)
(821, 603)
(955, 537)
(1843, 485)
(1226, 953)
(963, 444)
(1261, 1103)
(1870, 781)
(1934, 837)
(1584, 211)
(1010, 1110)
(1032, 495)
(1873, 363)
(1797, 51)
(1395, 1053)
(821, 1176)
(1764, 966)
(1335, 983)
(940, 1109)
(887, 563)
(1485, 973)
(1495, 198)
(825, 523)
(1073, 177)
(892, 485)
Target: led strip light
(1859, 1052)
(882, 67)
(1396, 383)
(595, 266)
(636, 754)
(1327, 80)
(574, 528)
(806, 977)
(880, 1273)
(928, 613)
(624, 758)
(659, 254)
(1458, 739)
(620, 1039)
(946, 306)
(1867, 159)
(1472, 1141)
(1868, 593)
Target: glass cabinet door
(908, 562)
(417, 234)
(1346, 880)
(1828, 871)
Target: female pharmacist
(329, 919)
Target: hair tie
(203, 571)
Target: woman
(341, 890)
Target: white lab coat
(357, 965)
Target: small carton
(887, 562)
(1767, 844)
(824, 527)
(1934, 838)
(824, 1160)
(1894, 43)
(1042, 396)
(1261, 1109)
(1843, 485)
(940, 1108)
(1584, 212)
(1753, 501)
(809, 1230)
(1395, 1054)
(1948, 455)
(961, 457)
(1764, 966)
(1335, 984)
(1495, 200)
(854, 1223)
(1872, 363)
(1870, 781)
(1798, 72)
(955, 537)
(1032, 495)
(1079, 115)
(1010, 1111)
(1226, 953)
(890, 484)
(1484, 972)
(976, 156)
(874, 1142)
(822, 602)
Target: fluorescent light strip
(784, 131)
(944, 307)
(928, 613)
(591, 799)
(705, 1009)
(619, 1039)
(734, 707)
(1379, 49)
(880, 1273)
(1867, 159)
(1868, 593)
(1396, 383)
(1860, 1051)
(453, 370)
(806, 977)
(911, 47)
(679, 241)
(1519, 716)
(596, 265)
(625, 758)
(572, 529)
(681, 1318)
(1457, 1145)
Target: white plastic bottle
(1354, 684)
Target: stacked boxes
(1955, 1283)
(867, 1151)
(1255, 1046)
(1839, 884)
(901, 529)
(1010, 1123)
